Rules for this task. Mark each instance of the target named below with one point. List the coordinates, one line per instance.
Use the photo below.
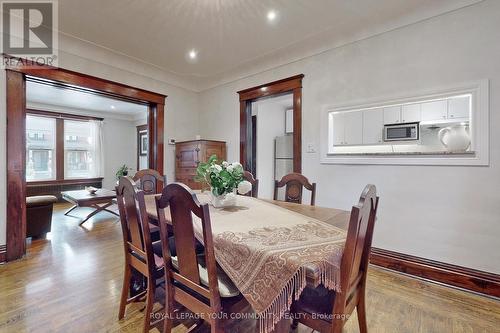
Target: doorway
(16, 79)
(278, 106)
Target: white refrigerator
(283, 156)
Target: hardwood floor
(72, 282)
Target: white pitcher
(455, 138)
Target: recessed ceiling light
(113, 107)
(192, 54)
(271, 15)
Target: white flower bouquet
(224, 180)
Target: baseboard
(453, 275)
(3, 254)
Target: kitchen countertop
(419, 153)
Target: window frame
(479, 128)
(59, 147)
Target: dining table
(320, 232)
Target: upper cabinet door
(459, 107)
(392, 115)
(435, 110)
(353, 128)
(410, 113)
(338, 129)
(373, 124)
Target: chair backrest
(247, 175)
(183, 203)
(359, 239)
(135, 226)
(295, 183)
(150, 181)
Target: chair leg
(168, 322)
(337, 325)
(150, 298)
(361, 309)
(125, 289)
(216, 327)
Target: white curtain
(96, 136)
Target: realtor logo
(29, 31)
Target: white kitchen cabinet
(436, 110)
(392, 114)
(353, 131)
(347, 128)
(410, 113)
(373, 124)
(459, 107)
(338, 129)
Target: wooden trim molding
(17, 75)
(453, 275)
(3, 253)
(247, 96)
(16, 165)
(272, 88)
(87, 82)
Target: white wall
(270, 124)
(450, 214)
(181, 108)
(120, 147)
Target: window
(40, 148)
(78, 149)
(446, 127)
(79, 153)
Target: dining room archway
(16, 75)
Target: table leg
(97, 210)
(70, 210)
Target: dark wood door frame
(16, 138)
(289, 85)
(140, 129)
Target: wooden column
(16, 165)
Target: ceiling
(79, 102)
(231, 34)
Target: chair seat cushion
(226, 286)
(317, 300)
(40, 200)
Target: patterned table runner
(265, 249)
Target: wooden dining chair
(327, 311)
(150, 181)
(248, 176)
(193, 280)
(294, 184)
(137, 246)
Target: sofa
(39, 215)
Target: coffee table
(100, 201)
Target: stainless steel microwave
(401, 132)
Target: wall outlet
(311, 148)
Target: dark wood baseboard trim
(453, 275)
(3, 254)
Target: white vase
(224, 200)
(455, 138)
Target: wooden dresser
(189, 153)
